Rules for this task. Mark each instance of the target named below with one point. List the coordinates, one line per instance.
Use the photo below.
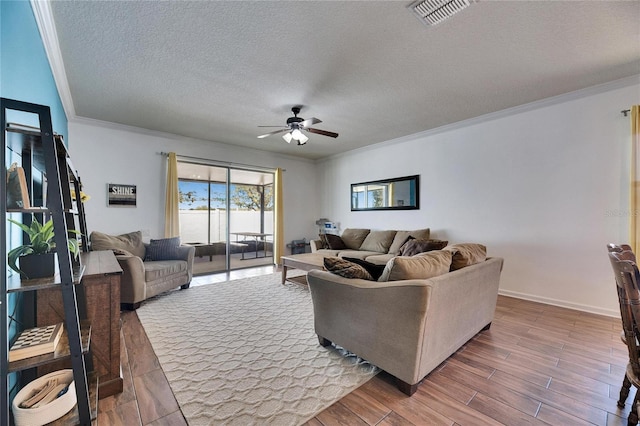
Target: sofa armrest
(187, 253)
(315, 245)
(132, 285)
(386, 320)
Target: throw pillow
(422, 266)
(372, 268)
(413, 246)
(353, 237)
(119, 252)
(323, 241)
(335, 242)
(402, 237)
(163, 249)
(131, 242)
(378, 241)
(346, 269)
(466, 254)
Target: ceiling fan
(295, 126)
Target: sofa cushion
(359, 254)
(378, 241)
(421, 266)
(402, 236)
(380, 259)
(328, 252)
(334, 242)
(372, 268)
(346, 269)
(155, 270)
(466, 254)
(353, 237)
(415, 246)
(163, 249)
(131, 242)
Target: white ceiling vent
(433, 12)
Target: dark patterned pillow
(335, 242)
(372, 268)
(346, 269)
(163, 249)
(413, 246)
(323, 241)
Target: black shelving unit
(45, 160)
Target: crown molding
(47, 27)
(542, 103)
(92, 122)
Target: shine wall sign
(121, 195)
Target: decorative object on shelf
(17, 190)
(83, 197)
(121, 195)
(42, 242)
(35, 341)
(60, 394)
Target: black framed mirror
(401, 193)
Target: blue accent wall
(25, 74)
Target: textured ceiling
(371, 71)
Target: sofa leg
(324, 342)
(185, 286)
(130, 306)
(486, 327)
(406, 388)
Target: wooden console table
(101, 281)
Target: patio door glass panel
(227, 214)
(203, 214)
(250, 218)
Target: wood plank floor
(538, 364)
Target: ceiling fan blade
(270, 126)
(275, 132)
(309, 122)
(322, 132)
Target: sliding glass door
(227, 214)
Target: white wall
(544, 186)
(104, 153)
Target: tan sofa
(405, 327)
(142, 279)
(371, 245)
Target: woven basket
(49, 412)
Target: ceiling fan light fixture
(297, 134)
(287, 137)
(302, 139)
(432, 12)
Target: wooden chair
(627, 277)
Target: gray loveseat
(405, 327)
(143, 278)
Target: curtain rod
(222, 163)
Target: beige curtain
(278, 238)
(634, 206)
(172, 199)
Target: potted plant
(37, 259)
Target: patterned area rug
(244, 352)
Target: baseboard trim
(561, 303)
